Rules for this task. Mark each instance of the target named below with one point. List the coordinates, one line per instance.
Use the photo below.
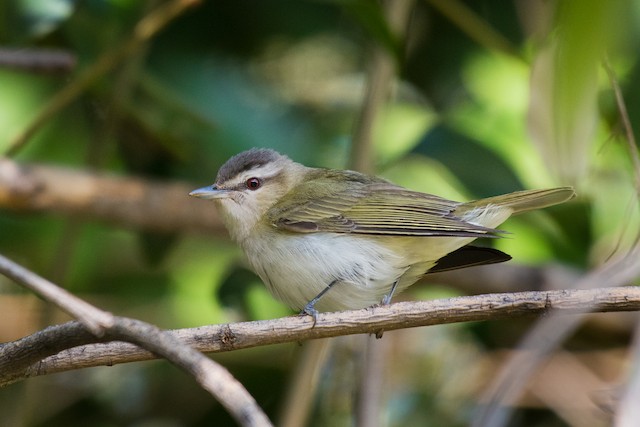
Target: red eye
(253, 183)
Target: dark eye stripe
(243, 185)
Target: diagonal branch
(146, 29)
(97, 325)
(95, 320)
(474, 26)
(626, 121)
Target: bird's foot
(386, 300)
(310, 310)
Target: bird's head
(248, 184)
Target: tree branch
(23, 358)
(99, 325)
(210, 375)
(146, 28)
(93, 319)
(131, 202)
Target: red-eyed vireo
(338, 239)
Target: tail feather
(522, 201)
(469, 256)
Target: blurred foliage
(465, 121)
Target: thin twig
(626, 122)
(475, 27)
(58, 340)
(381, 71)
(148, 27)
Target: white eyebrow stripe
(266, 171)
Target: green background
(470, 116)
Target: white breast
(296, 268)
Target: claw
(309, 310)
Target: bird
(332, 240)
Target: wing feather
(355, 203)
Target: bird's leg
(386, 300)
(310, 309)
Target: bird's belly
(296, 268)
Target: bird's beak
(210, 192)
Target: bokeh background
(486, 97)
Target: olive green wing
(372, 207)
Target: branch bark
(27, 357)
